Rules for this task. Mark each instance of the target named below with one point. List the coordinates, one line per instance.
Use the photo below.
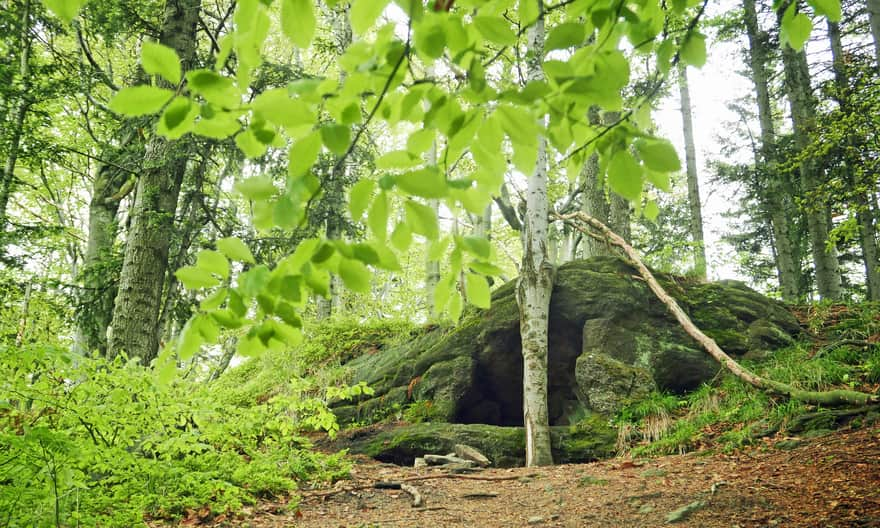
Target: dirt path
(831, 481)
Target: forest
(258, 258)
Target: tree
(134, 327)
(693, 185)
(802, 104)
(776, 199)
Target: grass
(727, 414)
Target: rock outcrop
(611, 342)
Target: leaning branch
(828, 398)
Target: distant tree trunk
(594, 203)
(690, 155)
(802, 105)
(25, 314)
(874, 19)
(334, 184)
(535, 285)
(775, 200)
(23, 105)
(864, 214)
(134, 327)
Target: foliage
(91, 442)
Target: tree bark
(874, 19)
(690, 155)
(802, 105)
(134, 327)
(861, 202)
(7, 177)
(831, 398)
(775, 201)
(535, 286)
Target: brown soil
(830, 481)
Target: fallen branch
(416, 496)
(399, 484)
(829, 398)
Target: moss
(504, 446)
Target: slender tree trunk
(874, 19)
(134, 328)
(690, 155)
(7, 177)
(775, 201)
(334, 185)
(25, 314)
(802, 105)
(109, 187)
(861, 202)
(535, 286)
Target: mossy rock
(473, 373)
(504, 446)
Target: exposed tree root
(834, 398)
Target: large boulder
(611, 342)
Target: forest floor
(829, 481)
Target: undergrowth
(727, 414)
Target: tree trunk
(802, 105)
(874, 19)
(535, 286)
(134, 328)
(861, 202)
(774, 200)
(109, 188)
(690, 155)
(7, 177)
(334, 184)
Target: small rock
(439, 460)
(419, 462)
(684, 512)
(535, 520)
(469, 453)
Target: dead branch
(417, 501)
(829, 398)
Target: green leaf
(519, 125)
(420, 141)
(214, 88)
(359, 198)
(336, 138)
(430, 38)
(364, 13)
(422, 219)
(827, 8)
(658, 155)
(276, 106)
(213, 261)
(397, 159)
(355, 275)
(256, 188)
(178, 118)
(140, 100)
(660, 180)
(528, 12)
(214, 301)
(298, 21)
(248, 142)
(566, 35)
(455, 306)
(477, 246)
(158, 59)
(194, 278)
(651, 210)
(303, 155)
(66, 10)
(485, 268)
(477, 289)
(377, 218)
(495, 29)
(693, 51)
(235, 249)
(795, 29)
(625, 175)
(190, 340)
(252, 282)
(401, 237)
(427, 183)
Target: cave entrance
(495, 396)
